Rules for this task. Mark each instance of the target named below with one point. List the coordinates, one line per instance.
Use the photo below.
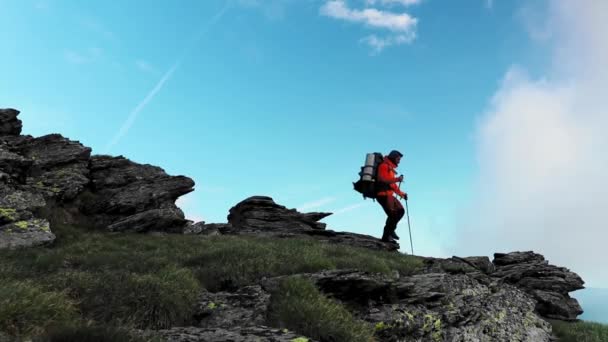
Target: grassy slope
(90, 285)
(150, 282)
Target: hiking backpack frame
(367, 184)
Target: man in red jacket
(388, 187)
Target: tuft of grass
(299, 306)
(147, 301)
(580, 331)
(27, 308)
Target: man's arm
(384, 175)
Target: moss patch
(21, 224)
(8, 214)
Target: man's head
(395, 156)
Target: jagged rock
(25, 233)
(18, 225)
(15, 167)
(9, 124)
(167, 220)
(51, 176)
(505, 259)
(200, 228)
(246, 306)
(482, 263)
(433, 306)
(52, 150)
(549, 285)
(125, 192)
(22, 203)
(57, 167)
(235, 334)
(261, 213)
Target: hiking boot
(394, 235)
(386, 238)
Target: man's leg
(383, 201)
(394, 212)
(398, 212)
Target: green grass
(150, 282)
(298, 305)
(28, 309)
(580, 331)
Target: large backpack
(367, 184)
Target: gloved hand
(400, 178)
(403, 195)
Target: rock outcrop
(419, 307)
(261, 216)
(126, 196)
(52, 178)
(235, 334)
(549, 285)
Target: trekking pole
(407, 210)
(408, 226)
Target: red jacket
(386, 175)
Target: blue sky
(488, 100)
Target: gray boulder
(261, 216)
(25, 233)
(549, 285)
(127, 196)
(9, 124)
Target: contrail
(133, 115)
(315, 204)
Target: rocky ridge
(52, 179)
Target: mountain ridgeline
(50, 181)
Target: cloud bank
(542, 151)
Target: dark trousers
(394, 212)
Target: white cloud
(370, 16)
(542, 153)
(315, 204)
(402, 26)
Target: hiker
(385, 196)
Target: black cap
(394, 154)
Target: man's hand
(403, 195)
(400, 178)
